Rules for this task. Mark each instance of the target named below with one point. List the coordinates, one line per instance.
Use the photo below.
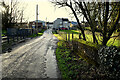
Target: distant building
(34, 24)
(49, 25)
(61, 23)
(23, 25)
(85, 24)
(73, 25)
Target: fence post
(79, 35)
(66, 36)
(72, 35)
(23, 34)
(8, 39)
(17, 36)
(13, 37)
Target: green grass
(71, 66)
(68, 68)
(42, 30)
(35, 35)
(71, 31)
(4, 32)
(61, 61)
(89, 37)
(39, 34)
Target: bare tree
(12, 14)
(105, 15)
(68, 3)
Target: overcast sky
(47, 10)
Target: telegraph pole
(21, 17)
(46, 23)
(37, 18)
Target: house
(49, 25)
(61, 23)
(34, 24)
(73, 25)
(84, 24)
(23, 25)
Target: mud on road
(35, 59)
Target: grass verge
(72, 67)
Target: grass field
(70, 65)
(89, 37)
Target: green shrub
(110, 61)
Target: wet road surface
(35, 59)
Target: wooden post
(17, 36)
(20, 35)
(72, 35)
(79, 35)
(13, 38)
(66, 36)
(8, 39)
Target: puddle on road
(52, 70)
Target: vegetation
(67, 62)
(101, 17)
(12, 14)
(109, 60)
(113, 41)
(86, 60)
(75, 66)
(35, 35)
(38, 34)
(71, 31)
(4, 32)
(6, 46)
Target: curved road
(35, 59)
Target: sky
(47, 10)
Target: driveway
(34, 59)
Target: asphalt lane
(35, 59)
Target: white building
(61, 23)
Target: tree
(104, 14)
(64, 3)
(110, 16)
(12, 14)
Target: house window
(65, 22)
(60, 25)
(60, 22)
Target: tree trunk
(105, 40)
(94, 37)
(114, 25)
(80, 27)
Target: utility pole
(37, 18)
(21, 17)
(11, 13)
(46, 23)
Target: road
(35, 59)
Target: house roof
(39, 21)
(49, 22)
(63, 19)
(75, 23)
